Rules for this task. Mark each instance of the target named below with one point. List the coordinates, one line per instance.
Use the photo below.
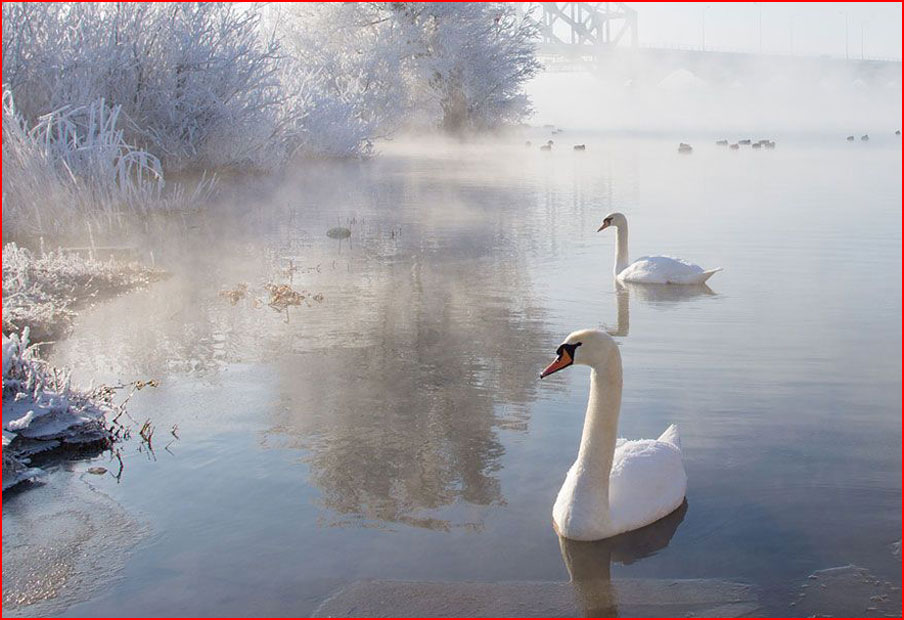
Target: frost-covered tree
(476, 58)
(461, 66)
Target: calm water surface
(397, 428)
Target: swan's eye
(569, 348)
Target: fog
(640, 91)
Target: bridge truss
(585, 26)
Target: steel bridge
(578, 28)
(601, 37)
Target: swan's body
(650, 269)
(615, 485)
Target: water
(397, 429)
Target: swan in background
(650, 269)
(615, 485)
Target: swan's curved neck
(621, 247)
(601, 424)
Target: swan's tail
(706, 275)
(671, 436)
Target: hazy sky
(816, 28)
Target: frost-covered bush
(74, 163)
(39, 292)
(42, 411)
(198, 83)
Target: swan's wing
(648, 482)
(670, 435)
(664, 270)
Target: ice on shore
(41, 411)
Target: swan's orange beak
(603, 227)
(562, 361)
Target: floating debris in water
(97, 471)
(339, 232)
(282, 296)
(236, 294)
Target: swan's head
(587, 347)
(613, 219)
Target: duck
(615, 485)
(722, 142)
(545, 147)
(757, 145)
(865, 137)
(744, 141)
(850, 138)
(650, 269)
(685, 148)
(734, 147)
(580, 147)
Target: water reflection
(589, 563)
(662, 295)
(403, 420)
(652, 294)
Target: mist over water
(706, 95)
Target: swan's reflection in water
(653, 295)
(589, 563)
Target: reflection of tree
(402, 418)
(589, 563)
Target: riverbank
(42, 411)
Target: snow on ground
(41, 411)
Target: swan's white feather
(615, 485)
(647, 482)
(665, 270)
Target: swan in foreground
(615, 485)
(650, 269)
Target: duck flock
(685, 148)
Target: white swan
(650, 269)
(615, 485)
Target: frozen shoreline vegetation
(111, 97)
(41, 411)
(40, 292)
